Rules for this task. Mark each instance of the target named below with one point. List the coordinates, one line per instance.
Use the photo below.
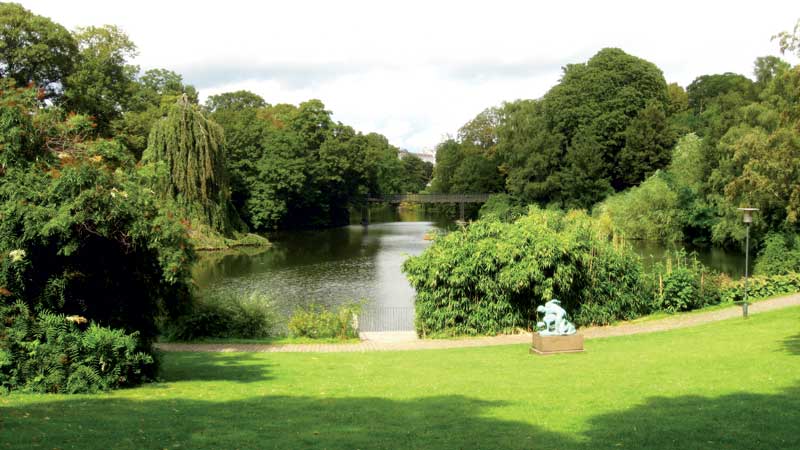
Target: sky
(416, 71)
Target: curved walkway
(651, 326)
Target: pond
(329, 267)
(356, 263)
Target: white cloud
(417, 70)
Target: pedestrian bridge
(429, 198)
(460, 199)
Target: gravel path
(375, 343)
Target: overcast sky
(418, 70)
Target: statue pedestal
(549, 345)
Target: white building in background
(425, 155)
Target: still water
(327, 267)
(357, 263)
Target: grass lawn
(732, 384)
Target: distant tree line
(655, 160)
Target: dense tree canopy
(80, 234)
(34, 49)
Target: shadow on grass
(736, 421)
(792, 344)
(196, 366)
(739, 421)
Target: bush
(683, 284)
(650, 211)
(225, 316)
(79, 234)
(501, 207)
(489, 277)
(779, 255)
(762, 287)
(319, 322)
(51, 352)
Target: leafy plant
(682, 283)
(779, 255)
(49, 352)
(489, 277)
(316, 321)
(225, 316)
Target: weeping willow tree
(192, 149)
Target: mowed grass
(732, 384)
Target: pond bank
(670, 323)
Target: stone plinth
(549, 345)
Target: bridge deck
(430, 198)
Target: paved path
(376, 344)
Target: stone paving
(405, 341)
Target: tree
(789, 41)
(152, 97)
(648, 144)
(482, 130)
(102, 83)
(707, 89)
(90, 239)
(191, 149)
(530, 152)
(34, 49)
(766, 68)
(604, 96)
(238, 114)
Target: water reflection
(325, 267)
(353, 263)
(724, 261)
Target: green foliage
(650, 211)
(102, 82)
(224, 316)
(469, 164)
(779, 255)
(191, 148)
(759, 287)
(682, 283)
(34, 49)
(705, 90)
(789, 41)
(502, 207)
(602, 128)
(489, 277)
(49, 352)
(316, 321)
(94, 241)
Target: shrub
(683, 284)
(316, 321)
(51, 352)
(489, 277)
(501, 207)
(681, 291)
(225, 316)
(779, 255)
(762, 287)
(650, 211)
(79, 234)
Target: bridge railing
(429, 198)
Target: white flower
(16, 255)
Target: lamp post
(747, 218)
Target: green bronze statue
(554, 322)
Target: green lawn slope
(732, 385)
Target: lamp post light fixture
(747, 218)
